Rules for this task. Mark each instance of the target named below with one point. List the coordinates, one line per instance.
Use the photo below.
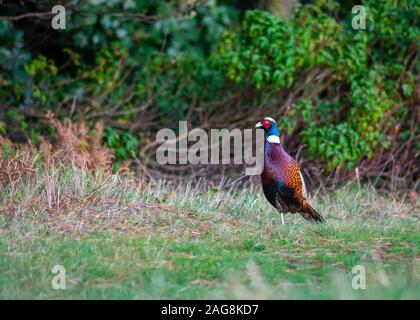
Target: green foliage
(364, 68)
(40, 71)
(124, 144)
(113, 65)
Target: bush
(346, 87)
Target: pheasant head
(271, 130)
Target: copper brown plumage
(282, 180)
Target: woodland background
(347, 101)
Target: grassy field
(117, 238)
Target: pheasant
(281, 179)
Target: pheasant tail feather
(311, 214)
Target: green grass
(119, 239)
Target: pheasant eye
(266, 124)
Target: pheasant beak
(259, 125)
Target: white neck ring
(273, 139)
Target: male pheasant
(281, 179)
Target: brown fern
(74, 144)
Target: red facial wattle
(266, 124)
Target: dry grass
(76, 200)
(120, 237)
